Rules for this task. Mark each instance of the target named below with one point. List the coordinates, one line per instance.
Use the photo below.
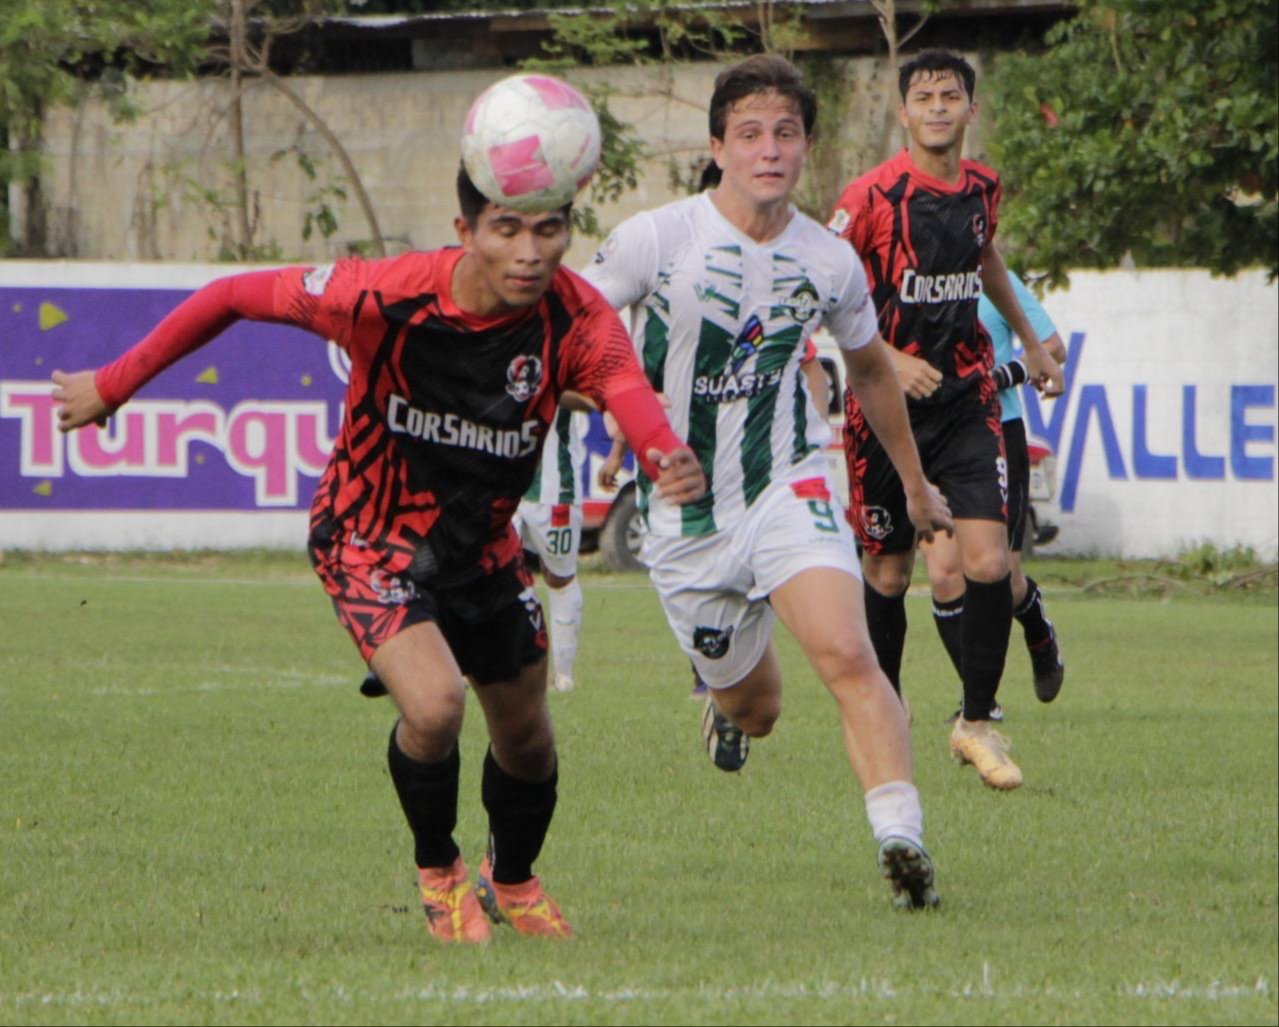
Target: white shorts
(553, 532)
(714, 588)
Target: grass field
(198, 827)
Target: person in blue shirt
(945, 575)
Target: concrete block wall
(133, 191)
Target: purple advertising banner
(245, 423)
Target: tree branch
(335, 144)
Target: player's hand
(606, 476)
(918, 377)
(681, 479)
(1044, 372)
(929, 512)
(78, 399)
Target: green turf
(197, 824)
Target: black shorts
(1018, 481)
(494, 625)
(961, 448)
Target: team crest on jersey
(839, 221)
(523, 376)
(712, 642)
(979, 228)
(803, 302)
(877, 522)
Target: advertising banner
(1165, 437)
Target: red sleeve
(600, 363)
(644, 426)
(851, 219)
(203, 315)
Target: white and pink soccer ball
(530, 142)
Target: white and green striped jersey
(719, 322)
(559, 475)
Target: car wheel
(622, 533)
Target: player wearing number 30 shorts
(550, 520)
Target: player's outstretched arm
(874, 382)
(90, 396)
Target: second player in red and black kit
(459, 358)
(924, 224)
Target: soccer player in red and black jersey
(924, 224)
(458, 359)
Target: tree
(655, 33)
(59, 51)
(247, 55)
(1146, 133)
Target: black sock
(1033, 618)
(428, 796)
(519, 814)
(886, 622)
(988, 619)
(948, 615)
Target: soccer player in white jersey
(550, 520)
(724, 289)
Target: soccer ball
(530, 142)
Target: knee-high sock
(886, 622)
(1033, 617)
(566, 619)
(988, 618)
(948, 615)
(428, 796)
(519, 814)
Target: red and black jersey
(445, 411)
(921, 241)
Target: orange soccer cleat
(526, 907)
(452, 910)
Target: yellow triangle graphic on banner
(209, 376)
(51, 316)
(45, 488)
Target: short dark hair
(471, 202)
(763, 73)
(933, 63)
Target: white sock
(893, 809)
(566, 617)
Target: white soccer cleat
(562, 682)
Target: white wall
(1167, 436)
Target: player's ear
(465, 233)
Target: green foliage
(62, 51)
(1145, 130)
(48, 47)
